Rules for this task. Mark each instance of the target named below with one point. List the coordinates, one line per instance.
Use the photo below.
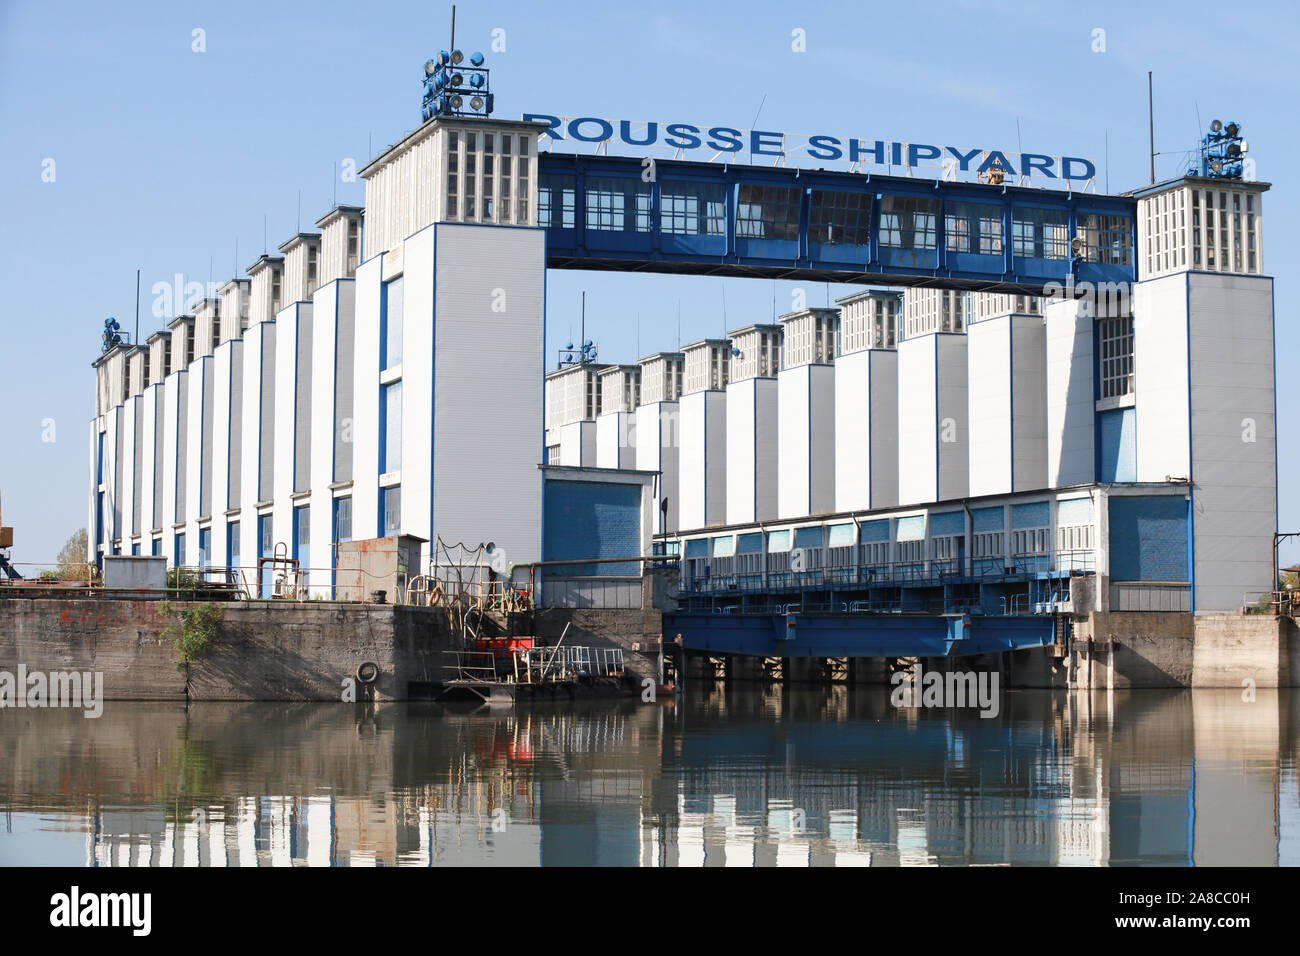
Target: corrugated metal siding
(302, 407)
(235, 470)
(343, 389)
(488, 490)
(1118, 450)
(182, 445)
(205, 443)
(159, 408)
(265, 465)
(119, 436)
(1127, 596)
(137, 470)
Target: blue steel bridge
(779, 222)
(847, 609)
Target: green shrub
(194, 632)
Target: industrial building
(1024, 387)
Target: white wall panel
(1071, 402)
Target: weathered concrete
(1233, 649)
(1151, 649)
(264, 650)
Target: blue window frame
(302, 536)
(692, 209)
(343, 519)
(392, 320)
(390, 511)
(390, 435)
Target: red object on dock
(501, 648)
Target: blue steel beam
(623, 230)
(857, 635)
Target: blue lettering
(686, 136)
(552, 123)
(856, 152)
(606, 130)
(1067, 164)
(829, 146)
(963, 159)
(996, 158)
(1031, 161)
(725, 139)
(896, 154)
(625, 133)
(914, 153)
(760, 138)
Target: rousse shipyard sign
(727, 141)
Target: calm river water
(721, 777)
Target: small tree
(72, 558)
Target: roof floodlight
(476, 103)
(1215, 126)
(456, 102)
(1216, 166)
(476, 58)
(444, 58)
(457, 79)
(476, 80)
(456, 57)
(429, 67)
(1234, 150)
(1232, 129)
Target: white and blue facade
(387, 375)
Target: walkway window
(974, 228)
(1040, 233)
(1107, 239)
(768, 212)
(619, 205)
(556, 201)
(908, 222)
(840, 218)
(692, 209)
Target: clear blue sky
(167, 159)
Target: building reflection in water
(726, 777)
